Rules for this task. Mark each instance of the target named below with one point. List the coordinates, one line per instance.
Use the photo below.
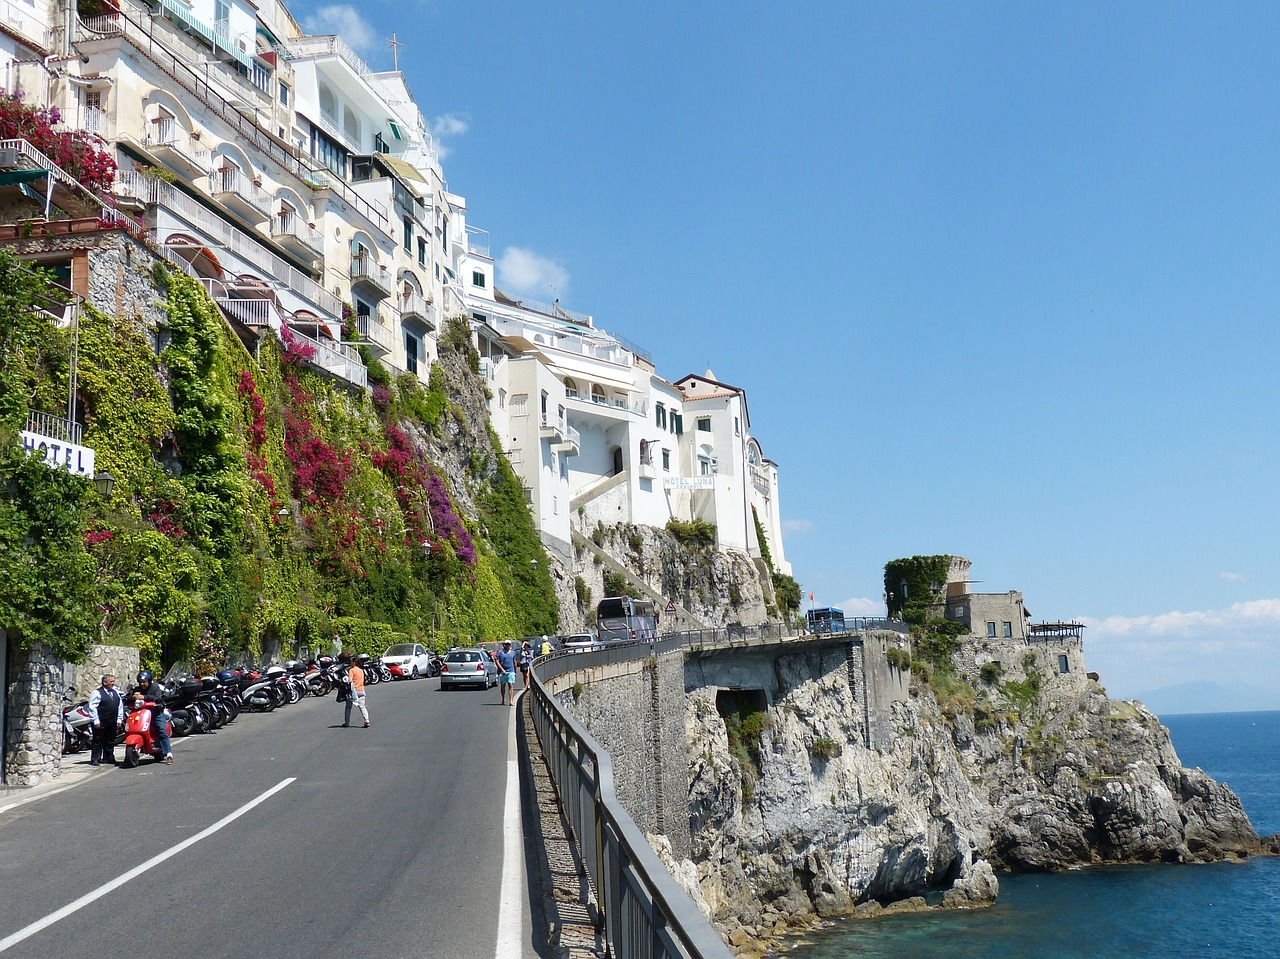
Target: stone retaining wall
(122, 662)
(34, 733)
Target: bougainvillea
(296, 350)
(256, 433)
(79, 153)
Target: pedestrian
(526, 662)
(507, 673)
(546, 645)
(153, 692)
(106, 710)
(355, 691)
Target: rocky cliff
(806, 821)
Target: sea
(1204, 911)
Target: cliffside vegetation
(258, 504)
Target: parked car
(412, 658)
(468, 667)
(577, 642)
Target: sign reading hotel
(688, 482)
(61, 455)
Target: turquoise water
(1205, 911)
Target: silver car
(468, 667)
(577, 642)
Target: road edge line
(510, 944)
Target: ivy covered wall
(258, 504)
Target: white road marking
(511, 896)
(26, 933)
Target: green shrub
(991, 673)
(582, 591)
(697, 533)
(824, 748)
(899, 659)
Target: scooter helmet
(363, 659)
(344, 658)
(226, 675)
(145, 676)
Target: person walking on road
(507, 673)
(355, 693)
(106, 710)
(526, 662)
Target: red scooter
(139, 735)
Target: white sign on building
(76, 460)
(688, 482)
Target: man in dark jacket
(106, 710)
(153, 692)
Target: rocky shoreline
(957, 796)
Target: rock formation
(811, 822)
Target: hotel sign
(76, 460)
(689, 482)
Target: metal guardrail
(644, 912)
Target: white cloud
(1232, 577)
(523, 271)
(1257, 612)
(346, 22)
(860, 606)
(796, 525)
(445, 127)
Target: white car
(578, 642)
(412, 658)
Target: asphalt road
(381, 842)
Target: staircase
(683, 618)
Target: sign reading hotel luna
(76, 460)
(689, 482)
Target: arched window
(351, 125)
(597, 394)
(570, 387)
(328, 106)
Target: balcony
(239, 195)
(253, 313)
(369, 278)
(553, 426)
(297, 236)
(334, 358)
(173, 147)
(414, 309)
(376, 333)
(570, 444)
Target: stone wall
(33, 738)
(636, 712)
(1013, 655)
(122, 662)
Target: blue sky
(999, 278)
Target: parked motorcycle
(77, 724)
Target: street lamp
(104, 482)
(282, 514)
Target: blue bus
(622, 619)
(828, 619)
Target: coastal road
(381, 842)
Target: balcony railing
(170, 139)
(54, 427)
(335, 358)
(477, 241)
(31, 158)
(237, 192)
(378, 334)
(292, 231)
(414, 307)
(371, 277)
(303, 48)
(218, 35)
(223, 234)
(197, 84)
(628, 404)
(254, 313)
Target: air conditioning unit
(8, 158)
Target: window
(660, 412)
(351, 125)
(666, 461)
(737, 431)
(502, 399)
(704, 466)
(284, 94)
(422, 251)
(411, 353)
(991, 630)
(328, 107)
(1007, 629)
(570, 388)
(408, 235)
(677, 423)
(477, 279)
(704, 424)
(519, 404)
(1063, 665)
(328, 152)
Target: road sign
(670, 607)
